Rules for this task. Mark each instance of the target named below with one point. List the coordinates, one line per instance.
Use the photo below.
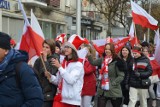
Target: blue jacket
(29, 94)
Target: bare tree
(113, 10)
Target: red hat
(61, 37)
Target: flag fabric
(156, 70)
(35, 25)
(118, 45)
(30, 42)
(61, 38)
(156, 37)
(157, 49)
(131, 31)
(141, 17)
(76, 40)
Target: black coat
(49, 89)
(143, 66)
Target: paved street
(109, 104)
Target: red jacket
(89, 85)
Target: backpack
(17, 70)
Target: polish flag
(131, 32)
(31, 41)
(76, 40)
(156, 70)
(61, 38)
(157, 49)
(141, 17)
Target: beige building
(55, 17)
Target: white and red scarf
(103, 76)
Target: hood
(18, 56)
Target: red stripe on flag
(31, 42)
(143, 21)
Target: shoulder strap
(17, 70)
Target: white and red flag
(61, 38)
(76, 40)
(141, 17)
(131, 31)
(31, 41)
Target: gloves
(137, 74)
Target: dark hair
(51, 44)
(129, 54)
(74, 56)
(112, 49)
(137, 48)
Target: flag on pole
(31, 42)
(141, 17)
(157, 49)
(131, 31)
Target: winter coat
(89, 86)
(72, 82)
(29, 94)
(49, 90)
(145, 70)
(115, 77)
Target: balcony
(40, 3)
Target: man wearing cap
(17, 88)
(139, 78)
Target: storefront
(88, 29)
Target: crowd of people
(124, 78)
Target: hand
(137, 74)
(55, 62)
(47, 74)
(44, 55)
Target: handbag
(146, 82)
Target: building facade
(54, 16)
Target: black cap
(5, 41)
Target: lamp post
(78, 18)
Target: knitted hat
(5, 41)
(70, 45)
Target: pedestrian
(125, 54)
(25, 93)
(89, 86)
(49, 90)
(69, 78)
(139, 78)
(111, 76)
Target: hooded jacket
(29, 94)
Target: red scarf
(104, 73)
(58, 96)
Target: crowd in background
(125, 78)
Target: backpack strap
(17, 70)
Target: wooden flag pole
(43, 63)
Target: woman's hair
(112, 49)
(51, 44)
(129, 54)
(138, 48)
(91, 50)
(74, 56)
(143, 48)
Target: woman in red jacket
(89, 86)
